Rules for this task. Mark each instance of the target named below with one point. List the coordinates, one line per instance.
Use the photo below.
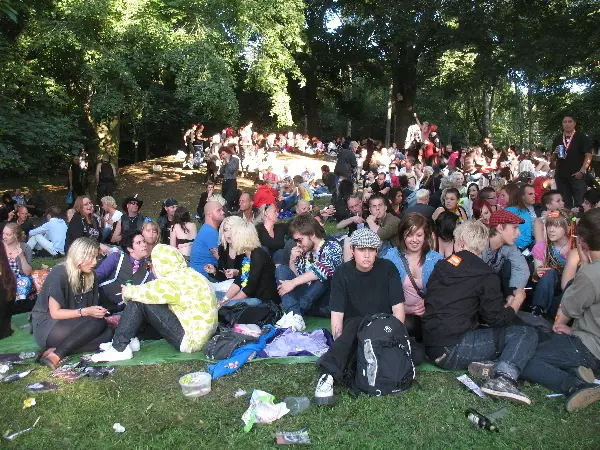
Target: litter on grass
(42, 386)
(118, 428)
(12, 437)
(471, 385)
(28, 403)
(262, 409)
(239, 393)
(297, 437)
(16, 376)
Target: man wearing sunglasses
(131, 220)
(303, 283)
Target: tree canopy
(110, 74)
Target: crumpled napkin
(262, 409)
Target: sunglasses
(133, 202)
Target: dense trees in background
(127, 76)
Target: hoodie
(265, 195)
(462, 292)
(187, 293)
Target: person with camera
(573, 155)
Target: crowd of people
(488, 258)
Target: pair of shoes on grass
(579, 396)
(110, 354)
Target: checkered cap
(365, 238)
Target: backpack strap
(419, 291)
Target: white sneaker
(134, 345)
(324, 390)
(111, 355)
(298, 323)
(286, 320)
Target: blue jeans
(302, 297)
(480, 345)
(544, 293)
(250, 301)
(554, 362)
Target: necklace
(567, 140)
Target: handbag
(420, 293)
(69, 197)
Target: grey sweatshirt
(519, 270)
(581, 301)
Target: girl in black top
(272, 235)
(255, 283)
(84, 224)
(229, 263)
(8, 289)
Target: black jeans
(162, 319)
(229, 191)
(571, 189)
(340, 359)
(80, 335)
(104, 188)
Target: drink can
(562, 154)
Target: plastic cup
(195, 384)
(296, 404)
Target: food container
(195, 384)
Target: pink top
(539, 251)
(411, 298)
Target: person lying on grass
(179, 304)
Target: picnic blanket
(160, 352)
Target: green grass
(148, 402)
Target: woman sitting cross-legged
(180, 305)
(415, 261)
(66, 318)
(255, 282)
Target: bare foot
(48, 351)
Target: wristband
(224, 299)
(80, 314)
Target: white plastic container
(195, 384)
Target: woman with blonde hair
(255, 282)
(66, 318)
(151, 232)
(229, 262)
(19, 258)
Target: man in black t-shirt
(350, 302)
(572, 153)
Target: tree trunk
(487, 112)
(530, 116)
(404, 78)
(388, 121)
(109, 136)
(310, 101)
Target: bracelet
(224, 299)
(80, 314)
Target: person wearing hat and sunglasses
(504, 256)
(132, 220)
(349, 306)
(165, 219)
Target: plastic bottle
(296, 404)
(480, 420)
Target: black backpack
(383, 361)
(267, 313)
(106, 172)
(223, 344)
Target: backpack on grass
(384, 358)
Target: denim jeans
(544, 293)
(302, 297)
(554, 362)
(571, 189)
(164, 321)
(250, 301)
(480, 345)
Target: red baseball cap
(502, 216)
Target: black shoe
(537, 310)
(504, 387)
(58, 256)
(581, 396)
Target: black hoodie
(462, 291)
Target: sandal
(51, 363)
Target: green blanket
(159, 352)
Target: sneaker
(324, 390)
(298, 323)
(582, 396)
(483, 370)
(111, 355)
(134, 345)
(537, 310)
(503, 387)
(286, 320)
(585, 374)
